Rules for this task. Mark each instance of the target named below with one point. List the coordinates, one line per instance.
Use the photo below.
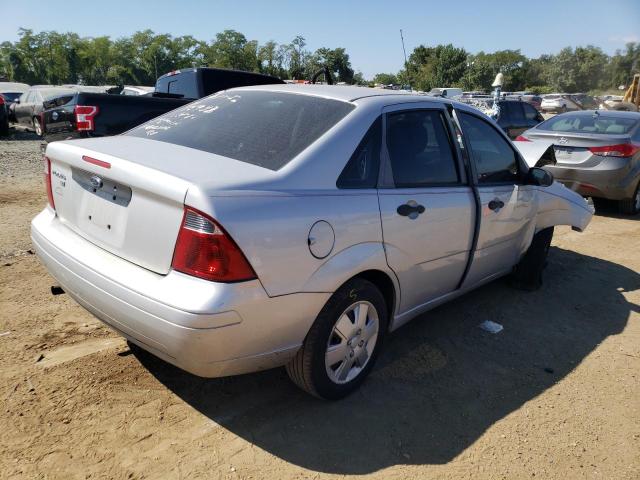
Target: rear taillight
(620, 150)
(205, 250)
(85, 115)
(1, 99)
(520, 138)
(47, 181)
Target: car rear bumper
(612, 178)
(206, 328)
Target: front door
(427, 209)
(507, 205)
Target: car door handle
(496, 204)
(410, 209)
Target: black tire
(37, 127)
(630, 206)
(4, 129)
(603, 205)
(527, 275)
(307, 369)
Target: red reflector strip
(95, 161)
(521, 138)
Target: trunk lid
(126, 195)
(573, 149)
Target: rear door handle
(496, 204)
(410, 209)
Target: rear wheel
(631, 206)
(343, 343)
(527, 275)
(603, 205)
(37, 127)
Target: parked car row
(513, 116)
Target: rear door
(427, 208)
(507, 205)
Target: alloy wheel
(351, 342)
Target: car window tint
(420, 149)
(180, 83)
(495, 159)
(263, 128)
(515, 111)
(362, 169)
(530, 113)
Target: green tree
(385, 79)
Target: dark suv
(517, 116)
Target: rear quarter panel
(272, 229)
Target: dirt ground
(555, 395)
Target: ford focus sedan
(293, 225)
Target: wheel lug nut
(361, 343)
(351, 353)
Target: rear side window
(589, 123)
(363, 166)
(267, 129)
(420, 149)
(530, 113)
(495, 160)
(514, 110)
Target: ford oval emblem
(563, 140)
(96, 181)
(54, 115)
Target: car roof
(345, 93)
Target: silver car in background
(293, 225)
(597, 154)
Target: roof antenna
(405, 56)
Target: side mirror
(539, 177)
(17, 100)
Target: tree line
(66, 58)
(580, 69)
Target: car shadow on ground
(18, 134)
(441, 381)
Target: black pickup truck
(82, 115)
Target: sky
(369, 30)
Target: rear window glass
(181, 83)
(589, 124)
(267, 129)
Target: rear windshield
(267, 129)
(589, 124)
(551, 97)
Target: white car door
(427, 208)
(507, 204)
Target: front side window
(362, 169)
(495, 159)
(420, 149)
(263, 128)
